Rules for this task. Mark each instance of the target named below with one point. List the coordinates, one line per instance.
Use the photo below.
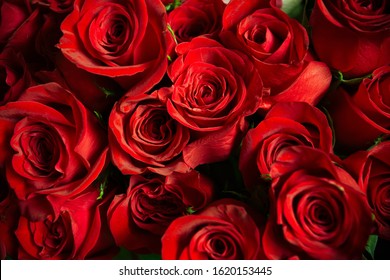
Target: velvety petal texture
(361, 116)
(317, 211)
(279, 48)
(52, 145)
(285, 125)
(213, 90)
(113, 39)
(145, 138)
(225, 230)
(140, 217)
(372, 171)
(359, 32)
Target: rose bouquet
(194, 129)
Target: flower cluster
(194, 129)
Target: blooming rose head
(372, 170)
(196, 17)
(317, 210)
(351, 36)
(225, 230)
(50, 143)
(285, 125)
(79, 230)
(214, 90)
(279, 47)
(360, 117)
(144, 137)
(140, 217)
(125, 40)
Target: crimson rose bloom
(50, 143)
(196, 17)
(214, 90)
(359, 119)
(351, 36)
(317, 210)
(78, 231)
(125, 40)
(285, 125)
(279, 47)
(144, 137)
(140, 217)
(372, 170)
(225, 230)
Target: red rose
(50, 143)
(317, 210)
(359, 119)
(351, 36)
(144, 137)
(78, 231)
(372, 170)
(124, 40)
(225, 230)
(214, 90)
(279, 47)
(140, 217)
(285, 125)
(196, 17)
(14, 76)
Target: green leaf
(125, 255)
(190, 210)
(370, 246)
(377, 142)
(99, 116)
(293, 8)
(149, 256)
(173, 5)
(103, 184)
(107, 92)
